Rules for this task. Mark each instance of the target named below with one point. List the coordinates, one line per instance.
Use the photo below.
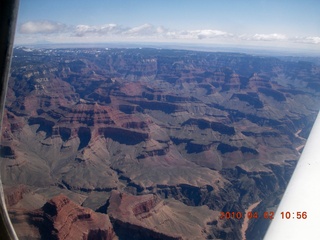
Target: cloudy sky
(275, 23)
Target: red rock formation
(130, 205)
(60, 218)
(258, 80)
(128, 212)
(149, 217)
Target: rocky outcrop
(130, 109)
(60, 218)
(259, 80)
(215, 126)
(128, 212)
(159, 106)
(123, 135)
(250, 98)
(85, 114)
(149, 217)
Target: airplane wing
(298, 215)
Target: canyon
(151, 143)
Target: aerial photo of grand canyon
(158, 119)
(150, 143)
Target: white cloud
(269, 37)
(209, 33)
(116, 30)
(161, 30)
(145, 29)
(82, 30)
(315, 40)
(41, 27)
(310, 40)
(198, 34)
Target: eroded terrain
(154, 143)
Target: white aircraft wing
(298, 215)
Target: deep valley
(151, 143)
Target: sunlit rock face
(61, 218)
(176, 136)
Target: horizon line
(248, 49)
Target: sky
(291, 24)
